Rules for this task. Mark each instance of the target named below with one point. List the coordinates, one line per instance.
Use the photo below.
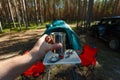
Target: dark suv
(108, 29)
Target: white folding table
(73, 58)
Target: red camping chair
(88, 58)
(34, 71)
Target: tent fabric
(72, 40)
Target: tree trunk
(7, 15)
(90, 11)
(76, 10)
(118, 9)
(10, 8)
(36, 11)
(45, 13)
(40, 12)
(1, 30)
(18, 14)
(68, 9)
(114, 10)
(54, 10)
(78, 15)
(49, 9)
(84, 13)
(96, 11)
(25, 14)
(103, 10)
(21, 11)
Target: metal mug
(59, 37)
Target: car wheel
(114, 44)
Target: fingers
(56, 46)
(50, 44)
(49, 40)
(44, 36)
(42, 39)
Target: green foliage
(32, 26)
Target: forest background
(22, 14)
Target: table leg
(49, 68)
(48, 74)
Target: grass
(32, 26)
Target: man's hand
(43, 45)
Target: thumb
(56, 46)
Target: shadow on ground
(17, 43)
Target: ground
(108, 61)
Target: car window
(114, 22)
(118, 28)
(107, 22)
(110, 21)
(104, 22)
(118, 22)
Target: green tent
(72, 40)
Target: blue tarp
(72, 40)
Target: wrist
(36, 55)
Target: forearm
(11, 68)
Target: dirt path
(14, 43)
